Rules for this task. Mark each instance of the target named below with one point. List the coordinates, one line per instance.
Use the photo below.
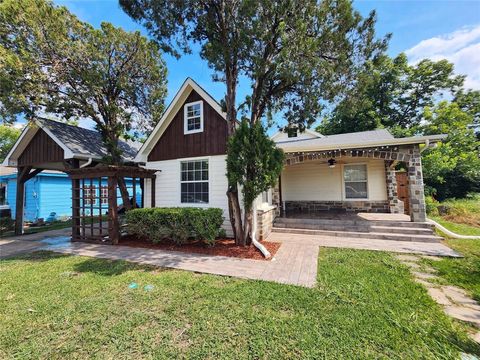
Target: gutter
(391, 142)
(256, 243)
(450, 233)
(87, 163)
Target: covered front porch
(339, 184)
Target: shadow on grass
(106, 267)
(36, 256)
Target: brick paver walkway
(295, 262)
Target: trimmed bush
(177, 224)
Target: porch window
(355, 180)
(89, 195)
(194, 181)
(193, 114)
(104, 195)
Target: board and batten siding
(315, 181)
(174, 143)
(167, 185)
(41, 149)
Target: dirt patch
(223, 247)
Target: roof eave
(395, 142)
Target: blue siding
(32, 197)
(55, 196)
(47, 193)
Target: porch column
(276, 198)
(415, 186)
(20, 199)
(395, 205)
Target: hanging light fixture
(331, 163)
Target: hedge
(177, 224)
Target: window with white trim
(193, 114)
(89, 195)
(355, 180)
(194, 182)
(104, 195)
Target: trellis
(95, 215)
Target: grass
(365, 305)
(457, 228)
(465, 272)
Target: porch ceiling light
(331, 163)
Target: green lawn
(460, 229)
(364, 306)
(464, 272)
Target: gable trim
(308, 131)
(181, 95)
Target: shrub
(177, 224)
(431, 205)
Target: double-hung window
(194, 182)
(355, 180)
(193, 114)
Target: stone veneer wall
(318, 206)
(415, 186)
(395, 204)
(265, 218)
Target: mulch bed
(223, 247)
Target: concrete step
(357, 228)
(362, 223)
(356, 234)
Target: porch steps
(384, 230)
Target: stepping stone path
(454, 300)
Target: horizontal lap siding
(174, 144)
(41, 149)
(167, 185)
(315, 181)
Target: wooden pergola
(50, 145)
(88, 226)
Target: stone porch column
(395, 205)
(415, 186)
(276, 199)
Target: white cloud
(461, 47)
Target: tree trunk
(235, 215)
(124, 193)
(248, 226)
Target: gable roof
(187, 87)
(379, 137)
(76, 142)
(307, 131)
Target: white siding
(315, 181)
(167, 185)
(283, 136)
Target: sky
(422, 29)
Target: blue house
(47, 192)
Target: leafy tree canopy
(391, 93)
(53, 63)
(8, 136)
(452, 169)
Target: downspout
(256, 243)
(427, 145)
(87, 163)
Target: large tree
(53, 63)
(8, 136)
(296, 55)
(391, 93)
(452, 169)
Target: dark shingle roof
(87, 142)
